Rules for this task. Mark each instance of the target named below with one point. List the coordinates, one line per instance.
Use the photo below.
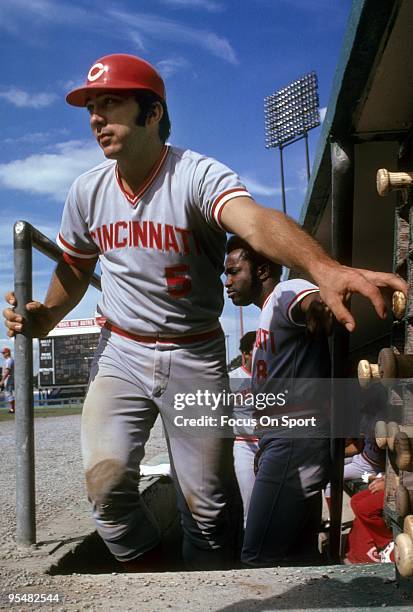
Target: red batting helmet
(115, 72)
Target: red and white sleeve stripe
(296, 300)
(225, 197)
(73, 251)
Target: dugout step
(91, 556)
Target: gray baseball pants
(285, 508)
(130, 384)
(244, 457)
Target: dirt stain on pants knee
(102, 478)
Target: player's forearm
(283, 239)
(278, 237)
(67, 287)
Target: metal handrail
(27, 237)
(49, 248)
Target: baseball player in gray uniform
(245, 442)
(285, 506)
(155, 216)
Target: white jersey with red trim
(240, 383)
(9, 379)
(161, 252)
(239, 373)
(283, 349)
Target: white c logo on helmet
(96, 71)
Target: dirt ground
(63, 519)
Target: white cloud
(257, 188)
(167, 29)
(70, 84)
(12, 12)
(24, 99)
(136, 26)
(302, 180)
(137, 40)
(208, 5)
(323, 112)
(51, 174)
(36, 137)
(170, 66)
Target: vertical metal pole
(307, 155)
(342, 188)
(282, 180)
(241, 322)
(23, 375)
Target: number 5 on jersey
(178, 280)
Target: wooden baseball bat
(389, 181)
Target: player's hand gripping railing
(26, 237)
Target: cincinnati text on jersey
(265, 339)
(146, 235)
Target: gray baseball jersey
(285, 356)
(161, 252)
(285, 507)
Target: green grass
(42, 412)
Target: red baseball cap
(118, 71)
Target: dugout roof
(371, 103)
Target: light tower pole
(290, 114)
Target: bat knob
(398, 304)
(380, 433)
(389, 181)
(367, 373)
(383, 182)
(403, 554)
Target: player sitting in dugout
(370, 540)
(363, 461)
(285, 508)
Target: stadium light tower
(290, 114)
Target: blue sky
(219, 58)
